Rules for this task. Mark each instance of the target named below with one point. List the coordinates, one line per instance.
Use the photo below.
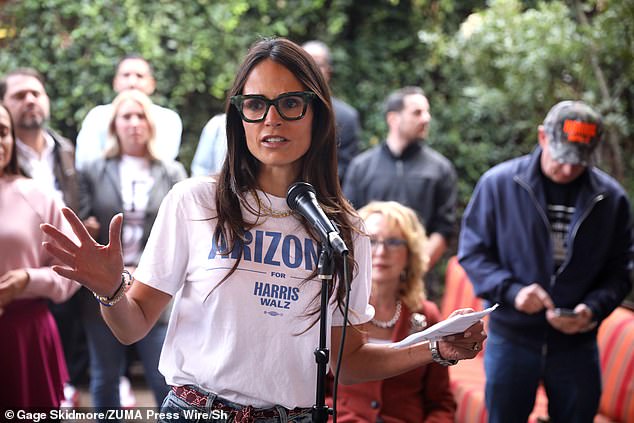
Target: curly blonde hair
(404, 219)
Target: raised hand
(96, 266)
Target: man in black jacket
(346, 117)
(405, 169)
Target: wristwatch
(435, 355)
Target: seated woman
(31, 358)
(129, 180)
(398, 265)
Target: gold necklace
(274, 213)
(265, 210)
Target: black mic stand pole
(326, 270)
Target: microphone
(301, 197)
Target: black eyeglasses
(290, 106)
(389, 244)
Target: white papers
(453, 325)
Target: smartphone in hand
(565, 312)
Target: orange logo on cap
(578, 131)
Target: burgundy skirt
(32, 365)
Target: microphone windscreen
(295, 191)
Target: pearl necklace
(392, 322)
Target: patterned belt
(247, 414)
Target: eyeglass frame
(238, 102)
(389, 244)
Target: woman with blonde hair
(399, 263)
(146, 145)
(130, 179)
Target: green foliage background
(491, 69)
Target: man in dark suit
(346, 116)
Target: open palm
(96, 266)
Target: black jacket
(421, 178)
(100, 187)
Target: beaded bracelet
(126, 281)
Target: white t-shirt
(41, 167)
(136, 183)
(246, 340)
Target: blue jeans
(107, 358)
(571, 378)
(173, 405)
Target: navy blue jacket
(505, 245)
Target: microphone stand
(326, 270)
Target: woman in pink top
(31, 358)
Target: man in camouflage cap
(548, 236)
(575, 130)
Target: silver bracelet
(126, 281)
(435, 355)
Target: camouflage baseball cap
(574, 130)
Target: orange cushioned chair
(616, 349)
(467, 377)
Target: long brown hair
(239, 172)
(12, 167)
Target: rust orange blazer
(421, 395)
